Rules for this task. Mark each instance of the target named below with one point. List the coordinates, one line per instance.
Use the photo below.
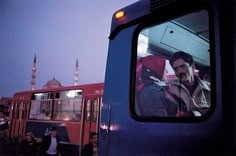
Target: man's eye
(175, 68)
(183, 66)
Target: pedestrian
(27, 146)
(91, 149)
(51, 144)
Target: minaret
(33, 74)
(76, 82)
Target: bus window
(16, 110)
(88, 109)
(169, 57)
(95, 107)
(41, 106)
(40, 96)
(40, 109)
(67, 105)
(24, 110)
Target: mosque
(53, 83)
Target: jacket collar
(203, 84)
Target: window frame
(150, 21)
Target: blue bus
(202, 29)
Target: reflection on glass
(61, 106)
(88, 108)
(95, 107)
(173, 68)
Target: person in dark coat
(51, 144)
(27, 146)
(152, 96)
(91, 148)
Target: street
(8, 149)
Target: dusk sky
(58, 32)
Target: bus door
(91, 116)
(14, 120)
(18, 121)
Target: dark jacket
(46, 144)
(27, 147)
(199, 101)
(155, 100)
(152, 95)
(87, 150)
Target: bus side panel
(93, 90)
(122, 135)
(73, 131)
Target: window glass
(64, 105)
(41, 109)
(173, 68)
(88, 110)
(24, 110)
(16, 110)
(70, 94)
(95, 109)
(67, 109)
(67, 105)
(40, 96)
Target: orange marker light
(120, 14)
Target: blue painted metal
(120, 134)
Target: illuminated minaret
(76, 73)
(33, 74)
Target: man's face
(93, 139)
(54, 133)
(28, 137)
(184, 71)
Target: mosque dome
(52, 84)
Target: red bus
(74, 110)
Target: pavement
(8, 149)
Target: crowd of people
(50, 145)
